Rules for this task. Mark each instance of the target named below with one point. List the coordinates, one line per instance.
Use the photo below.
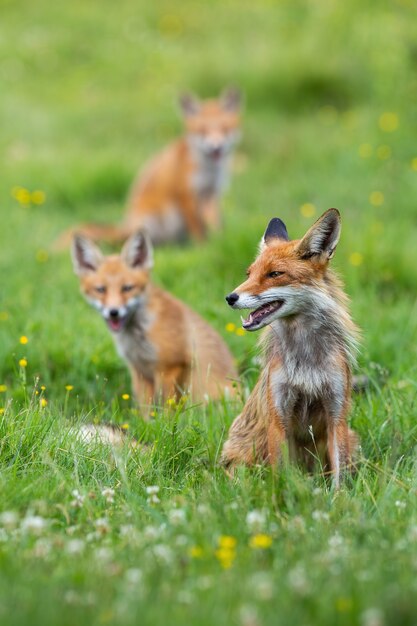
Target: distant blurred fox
(177, 194)
(169, 349)
(302, 397)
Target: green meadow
(90, 535)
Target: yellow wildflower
(388, 122)
(125, 396)
(125, 426)
(260, 541)
(343, 605)
(230, 327)
(356, 259)
(41, 256)
(240, 332)
(365, 150)
(376, 198)
(69, 387)
(171, 402)
(23, 339)
(3, 388)
(227, 542)
(307, 209)
(1, 411)
(43, 387)
(225, 556)
(23, 362)
(38, 197)
(196, 552)
(22, 195)
(43, 402)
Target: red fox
(177, 194)
(302, 397)
(168, 347)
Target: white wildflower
(400, 504)
(177, 517)
(78, 501)
(204, 582)
(127, 530)
(9, 519)
(298, 524)
(372, 617)
(298, 581)
(104, 554)
(133, 576)
(262, 585)
(203, 509)
(185, 597)
(108, 493)
(320, 516)
(152, 490)
(163, 553)
(75, 546)
(42, 548)
(248, 616)
(102, 525)
(151, 532)
(256, 520)
(33, 524)
(181, 541)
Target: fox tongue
(115, 324)
(257, 315)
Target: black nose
(232, 298)
(114, 313)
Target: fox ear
(231, 99)
(137, 251)
(276, 229)
(323, 236)
(86, 257)
(189, 104)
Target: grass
(88, 94)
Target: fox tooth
(242, 318)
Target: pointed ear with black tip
(189, 104)
(86, 256)
(323, 236)
(231, 100)
(276, 230)
(138, 252)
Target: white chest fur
(210, 176)
(133, 345)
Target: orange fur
(169, 349)
(302, 397)
(177, 193)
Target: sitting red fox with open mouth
(302, 397)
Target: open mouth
(258, 318)
(116, 324)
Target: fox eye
(100, 289)
(274, 274)
(126, 288)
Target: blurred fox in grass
(177, 194)
(302, 397)
(169, 349)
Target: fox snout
(232, 298)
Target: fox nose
(114, 313)
(232, 298)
